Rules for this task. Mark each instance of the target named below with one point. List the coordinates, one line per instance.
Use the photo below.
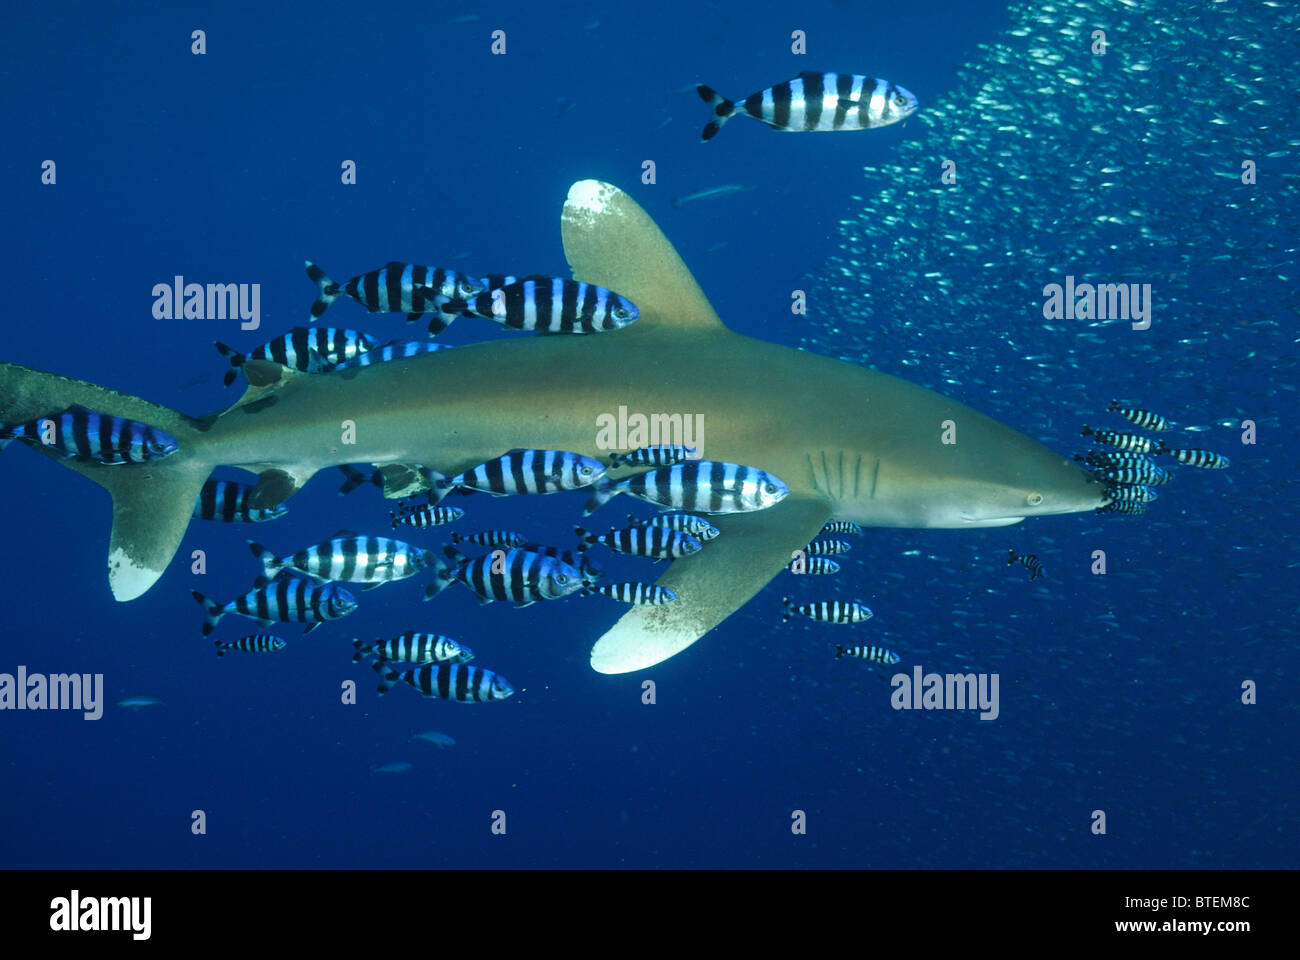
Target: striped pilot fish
(659, 543)
(1112, 458)
(827, 548)
(709, 486)
(1135, 472)
(697, 527)
(874, 654)
(815, 101)
(641, 594)
(591, 571)
(841, 526)
(516, 575)
(664, 455)
(525, 471)
(349, 558)
(449, 681)
(1206, 459)
(392, 350)
(1029, 561)
(1135, 494)
(822, 566)
(491, 538)
(414, 647)
(1142, 418)
(81, 434)
(826, 611)
(425, 515)
(546, 305)
(227, 500)
(1131, 442)
(286, 599)
(308, 349)
(1131, 507)
(395, 288)
(253, 643)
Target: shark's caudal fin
(711, 586)
(152, 502)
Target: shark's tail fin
(329, 290)
(152, 502)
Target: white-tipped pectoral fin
(710, 586)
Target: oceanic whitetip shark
(851, 443)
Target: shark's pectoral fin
(712, 585)
(404, 479)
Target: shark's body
(851, 443)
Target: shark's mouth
(969, 521)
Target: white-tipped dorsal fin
(610, 241)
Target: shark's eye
(1034, 499)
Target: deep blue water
(1120, 693)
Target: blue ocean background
(1120, 693)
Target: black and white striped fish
(659, 543)
(1144, 472)
(253, 643)
(461, 682)
(286, 599)
(1135, 494)
(495, 281)
(396, 287)
(664, 455)
(591, 571)
(827, 548)
(815, 102)
(526, 471)
(227, 500)
(425, 515)
(813, 565)
(827, 611)
(642, 594)
(516, 575)
(1123, 506)
(546, 305)
(697, 527)
(874, 654)
(1029, 561)
(1123, 441)
(841, 526)
(1112, 458)
(414, 647)
(491, 538)
(81, 434)
(709, 486)
(309, 349)
(1142, 418)
(1206, 459)
(349, 558)
(392, 350)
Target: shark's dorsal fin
(610, 241)
(712, 585)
